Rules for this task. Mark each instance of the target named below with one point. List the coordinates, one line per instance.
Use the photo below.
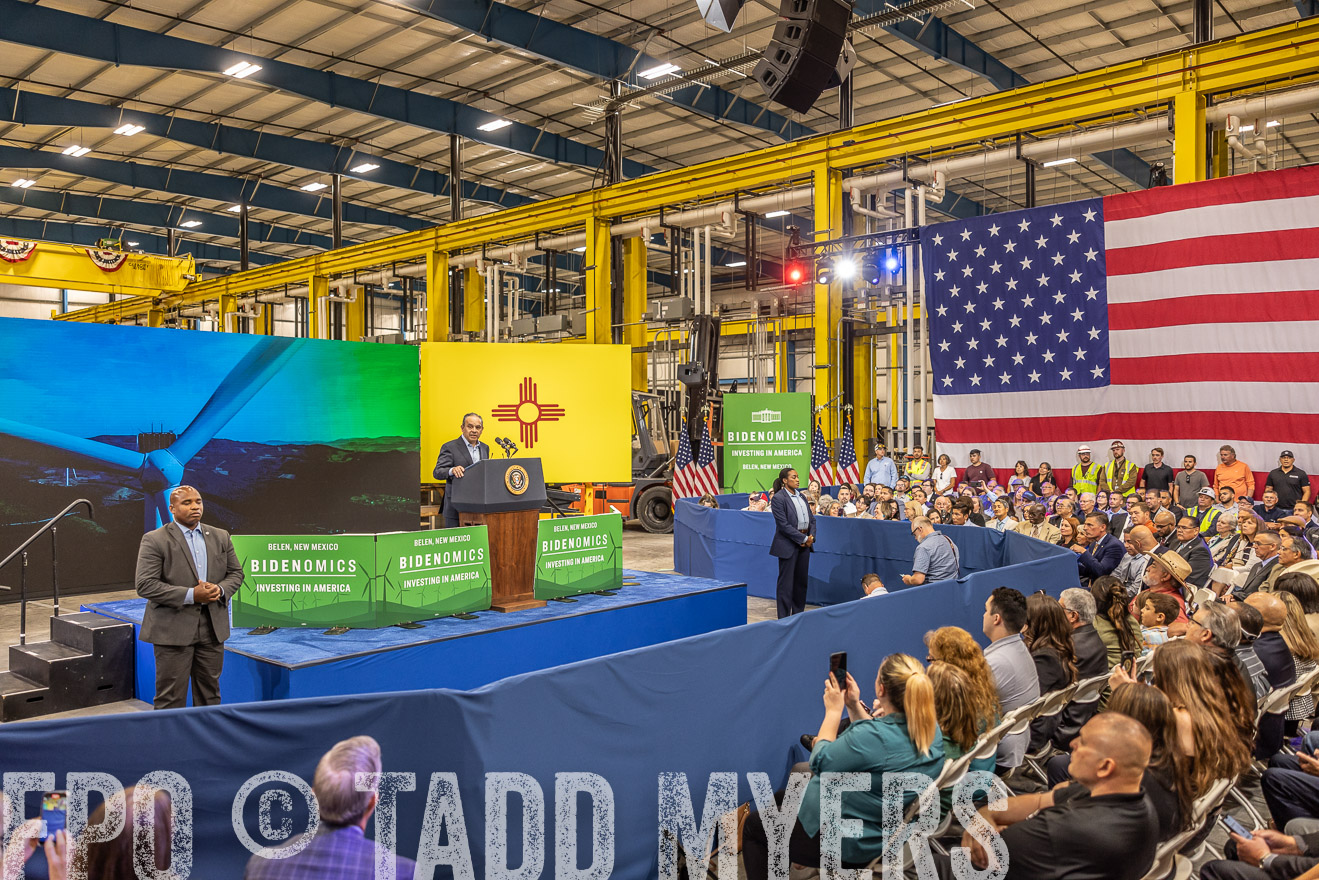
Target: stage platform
(451, 653)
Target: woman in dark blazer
(792, 545)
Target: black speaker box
(803, 52)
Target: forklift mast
(700, 374)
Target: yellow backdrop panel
(568, 405)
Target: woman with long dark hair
(1042, 476)
(1168, 777)
(1117, 628)
(902, 735)
(794, 538)
(1049, 637)
(1020, 476)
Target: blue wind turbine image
(280, 436)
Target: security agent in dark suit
(187, 571)
(456, 456)
(792, 544)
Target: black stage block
(22, 698)
(88, 662)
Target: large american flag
(1181, 317)
(692, 479)
(822, 469)
(848, 469)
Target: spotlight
(845, 268)
(870, 271)
(824, 273)
(794, 272)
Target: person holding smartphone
(794, 539)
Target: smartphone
(1129, 662)
(1234, 826)
(838, 669)
(54, 808)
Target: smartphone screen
(53, 811)
(1129, 662)
(838, 669)
(1235, 826)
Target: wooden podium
(505, 495)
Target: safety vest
(1083, 480)
(918, 468)
(1205, 520)
(1130, 467)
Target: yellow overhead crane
(67, 266)
(1180, 82)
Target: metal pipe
(243, 263)
(336, 203)
(22, 600)
(1295, 102)
(910, 285)
(926, 417)
(54, 570)
(455, 177)
(709, 285)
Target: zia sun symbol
(528, 412)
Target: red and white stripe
(824, 474)
(1213, 304)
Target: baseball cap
(1286, 453)
(1207, 491)
(1081, 449)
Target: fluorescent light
(242, 70)
(1056, 162)
(363, 168)
(1272, 123)
(580, 250)
(22, 183)
(128, 129)
(190, 224)
(235, 209)
(494, 125)
(736, 264)
(315, 186)
(772, 214)
(131, 243)
(657, 72)
(1245, 128)
(76, 151)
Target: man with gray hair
(936, 557)
(339, 850)
(1091, 659)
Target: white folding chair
(1054, 703)
(1167, 861)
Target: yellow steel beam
(863, 394)
(437, 296)
(827, 208)
(318, 287)
(355, 316)
(62, 266)
(634, 307)
(473, 301)
(1286, 53)
(1189, 145)
(599, 287)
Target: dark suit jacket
(339, 852)
(454, 454)
(1196, 553)
(1255, 580)
(787, 537)
(1091, 660)
(1102, 558)
(1273, 652)
(165, 573)
(1118, 523)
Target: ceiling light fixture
(315, 186)
(1246, 128)
(363, 168)
(131, 243)
(190, 224)
(128, 129)
(658, 71)
(736, 264)
(772, 214)
(235, 209)
(1272, 123)
(1056, 162)
(494, 125)
(580, 250)
(76, 151)
(22, 183)
(242, 70)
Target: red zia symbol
(528, 412)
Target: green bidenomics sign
(361, 580)
(764, 433)
(578, 554)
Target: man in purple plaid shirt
(340, 849)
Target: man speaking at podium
(456, 456)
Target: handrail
(49, 524)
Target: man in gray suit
(187, 571)
(457, 455)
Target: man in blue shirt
(936, 556)
(881, 468)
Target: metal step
(22, 698)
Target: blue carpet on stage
(456, 653)
(729, 541)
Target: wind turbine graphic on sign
(528, 412)
(160, 470)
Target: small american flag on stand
(693, 478)
(848, 469)
(822, 469)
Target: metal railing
(21, 553)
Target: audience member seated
(1091, 659)
(1305, 652)
(1118, 629)
(708, 500)
(1069, 532)
(1165, 525)
(1306, 590)
(964, 714)
(1273, 652)
(1188, 544)
(1071, 832)
(1264, 571)
(340, 849)
(757, 502)
(1166, 573)
(1012, 665)
(965, 513)
(902, 737)
(936, 557)
(1002, 520)
(872, 585)
(1226, 541)
(1157, 611)
(1049, 637)
(1270, 854)
(1102, 554)
(1167, 780)
(1250, 623)
(1037, 526)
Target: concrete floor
(641, 551)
